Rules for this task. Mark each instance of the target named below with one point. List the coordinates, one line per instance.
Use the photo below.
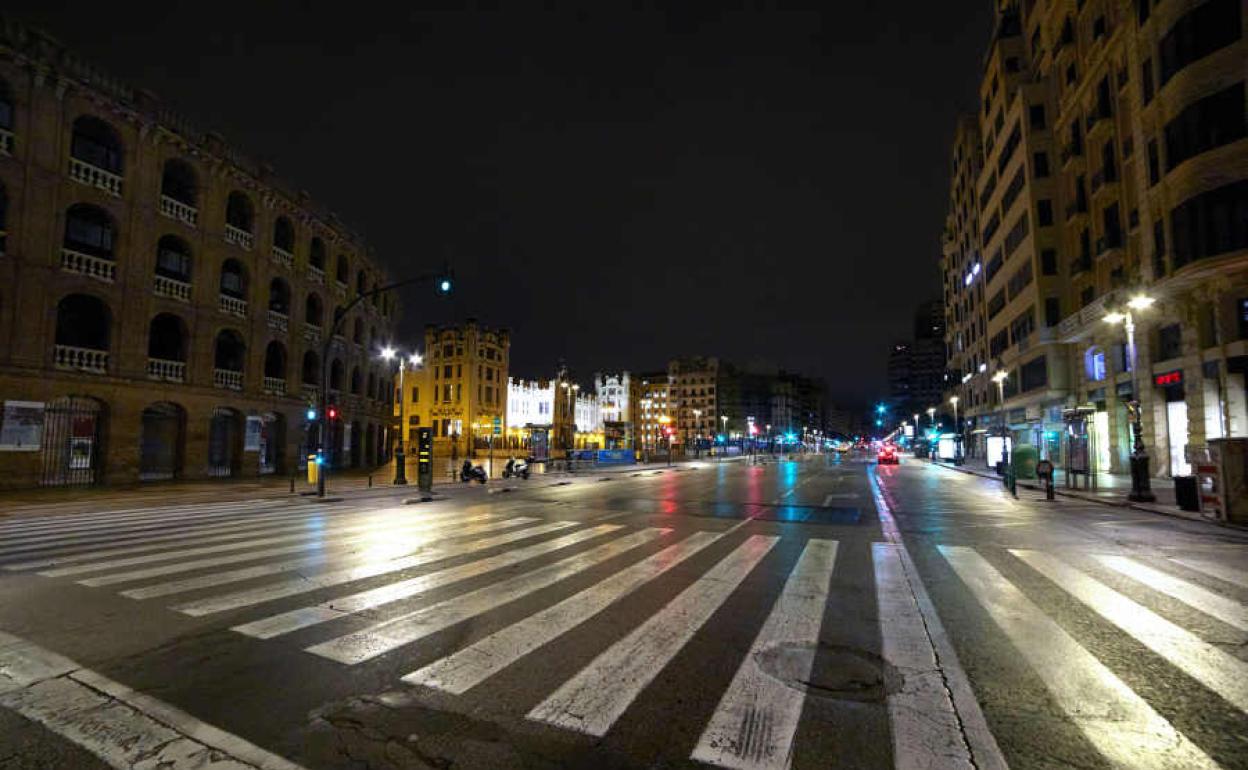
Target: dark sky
(617, 187)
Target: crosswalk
(356, 587)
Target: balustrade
(168, 371)
(172, 288)
(176, 209)
(278, 321)
(80, 359)
(227, 378)
(239, 237)
(93, 267)
(94, 176)
(233, 305)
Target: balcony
(227, 379)
(309, 393)
(340, 289)
(80, 359)
(1075, 209)
(239, 237)
(1104, 179)
(6, 142)
(166, 371)
(1082, 323)
(282, 257)
(275, 386)
(1108, 243)
(316, 275)
(171, 288)
(84, 264)
(1071, 152)
(94, 176)
(1081, 265)
(312, 333)
(279, 322)
(233, 306)
(182, 212)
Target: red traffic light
(332, 413)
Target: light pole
(957, 431)
(697, 420)
(1141, 490)
(723, 421)
(400, 458)
(999, 377)
(645, 430)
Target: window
(990, 229)
(1011, 144)
(1142, 8)
(1016, 235)
(1243, 319)
(1169, 342)
(173, 259)
(1048, 262)
(1012, 191)
(95, 142)
(1044, 213)
(1159, 248)
(1035, 114)
(1020, 280)
(996, 304)
(1154, 163)
(1212, 223)
(233, 281)
(999, 343)
(178, 182)
(447, 372)
(1040, 165)
(1210, 26)
(1146, 81)
(1211, 122)
(89, 230)
(239, 212)
(316, 254)
(1034, 374)
(1087, 297)
(1052, 311)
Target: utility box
(1230, 458)
(314, 469)
(1024, 460)
(424, 458)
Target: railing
(1070, 152)
(1081, 265)
(1076, 208)
(239, 237)
(1080, 323)
(282, 257)
(227, 378)
(233, 305)
(172, 288)
(340, 289)
(310, 393)
(165, 370)
(6, 142)
(311, 333)
(176, 209)
(275, 386)
(80, 359)
(1107, 243)
(279, 321)
(93, 267)
(94, 176)
(316, 275)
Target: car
(887, 455)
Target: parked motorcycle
(516, 469)
(470, 472)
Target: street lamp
(999, 377)
(957, 430)
(400, 458)
(697, 419)
(1141, 490)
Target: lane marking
(343, 606)
(756, 720)
(268, 593)
(1226, 610)
(1117, 722)
(1215, 669)
(472, 665)
(91, 522)
(594, 698)
(394, 633)
(1222, 572)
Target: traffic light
(445, 283)
(311, 413)
(332, 413)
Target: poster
(21, 427)
(251, 439)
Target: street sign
(424, 458)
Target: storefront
(1174, 395)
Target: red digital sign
(1169, 378)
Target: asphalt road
(815, 613)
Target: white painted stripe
(391, 542)
(311, 532)
(472, 665)
(88, 522)
(1226, 610)
(342, 606)
(926, 730)
(1222, 572)
(756, 720)
(405, 629)
(594, 698)
(122, 728)
(1215, 669)
(1120, 724)
(268, 593)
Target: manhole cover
(838, 673)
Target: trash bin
(1187, 493)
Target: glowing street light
(1141, 490)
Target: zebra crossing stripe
(268, 593)
(394, 540)
(389, 635)
(1222, 572)
(1220, 672)
(595, 697)
(1116, 721)
(342, 606)
(472, 665)
(81, 522)
(926, 728)
(1226, 610)
(756, 720)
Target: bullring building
(163, 299)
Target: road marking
(342, 606)
(1226, 610)
(925, 727)
(474, 664)
(268, 593)
(1220, 672)
(756, 720)
(827, 501)
(78, 522)
(594, 698)
(1120, 724)
(1222, 572)
(122, 728)
(394, 633)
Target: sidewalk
(1111, 489)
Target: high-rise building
(694, 382)
(656, 408)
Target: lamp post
(723, 420)
(666, 429)
(645, 430)
(697, 420)
(999, 377)
(400, 458)
(1141, 489)
(957, 431)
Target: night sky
(616, 187)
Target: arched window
(166, 338)
(90, 230)
(279, 296)
(83, 321)
(316, 254)
(314, 311)
(275, 360)
(178, 182)
(361, 282)
(357, 334)
(173, 258)
(233, 279)
(284, 235)
(239, 212)
(335, 375)
(343, 269)
(311, 368)
(231, 352)
(1094, 364)
(357, 381)
(95, 142)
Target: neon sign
(1169, 378)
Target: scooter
(472, 472)
(516, 469)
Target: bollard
(292, 484)
(370, 481)
(1044, 469)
